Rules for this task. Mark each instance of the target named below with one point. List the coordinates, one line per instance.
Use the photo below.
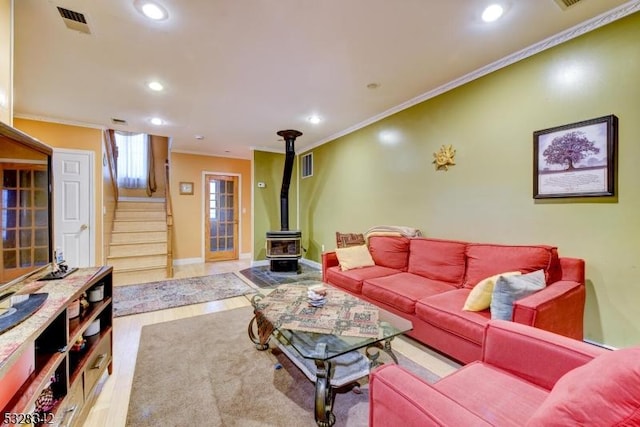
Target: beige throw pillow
(354, 257)
(480, 296)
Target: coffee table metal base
(327, 374)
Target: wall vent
(74, 20)
(564, 4)
(307, 165)
(118, 121)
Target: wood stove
(284, 247)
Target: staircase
(138, 249)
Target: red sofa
(428, 281)
(526, 377)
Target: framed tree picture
(576, 160)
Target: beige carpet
(204, 371)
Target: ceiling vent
(118, 121)
(74, 20)
(565, 4)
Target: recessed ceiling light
(492, 13)
(199, 137)
(151, 10)
(373, 85)
(154, 85)
(157, 121)
(314, 119)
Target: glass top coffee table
(328, 343)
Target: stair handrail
(167, 197)
(111, 161)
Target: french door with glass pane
(221, 213)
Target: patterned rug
(262, 277)
(144, 297)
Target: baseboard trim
(187, 261)
(311, 263)
(599, 344)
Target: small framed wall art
(186, 188)
(576, 160)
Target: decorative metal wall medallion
(444, 158)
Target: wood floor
(110, 410)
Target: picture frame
(576, 160)
(186, 188)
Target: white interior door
(73, 206)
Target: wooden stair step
(137, 262)
(137, 249)
(125, 215)
(120, 237)
(128, 225)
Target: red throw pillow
(603, 392)
(390, 251)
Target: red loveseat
(428, 281)
(526, 377)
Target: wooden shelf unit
(74, 376)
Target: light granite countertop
(61, 292)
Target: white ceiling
(237, 71)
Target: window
(24, 215)
(133, 154)
(307, 165)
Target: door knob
(83, 227)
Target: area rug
(144, 297)
(204, 370)
(262, 277)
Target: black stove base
(285, 266)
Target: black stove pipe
(290, 154)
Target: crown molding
(207, 154)
(58, 121)
(268, 149)
(576, 31)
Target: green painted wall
(383, 174)
(268, 168)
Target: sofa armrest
(329, 259)
(557, 308)
(399, 398)
(533, 354)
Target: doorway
(221, 217)
(74, 223)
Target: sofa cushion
(480, 296)
(354, 257)
(438, 259)
(602, 392)
(351, 280)
(390, 251)
(484, 260)
(444, 311)
(509, 289)
(402, 290)
(496, 396)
